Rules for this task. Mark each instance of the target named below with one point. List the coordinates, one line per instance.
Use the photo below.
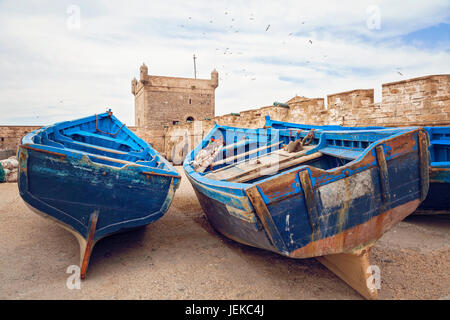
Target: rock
(10, 163)
(12, 176)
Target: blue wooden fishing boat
(94, 177)
(307, 193)
(438, 199)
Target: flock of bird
(227, 50)
(252, 18)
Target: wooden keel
(86, 246)
(355, 269)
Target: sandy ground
(182, 257)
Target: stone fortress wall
(423, 101)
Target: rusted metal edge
(44, 151)
(266, 219)
(384, 176)
(424, 164)
(90, 243)
(160, 174)
(310, 202)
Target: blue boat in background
(94, 177)
(307, 193)
(438, 200)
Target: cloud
(50, 72)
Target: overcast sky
(60, 60)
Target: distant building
(161, 101)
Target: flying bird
(268, 26)
(400, 73)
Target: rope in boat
(308, 138)
(111, 134)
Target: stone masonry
(164, 101)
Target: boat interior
(103, 138)
(250, 155)
(440, 146)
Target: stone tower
(161, 101)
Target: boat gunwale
(429, 129)
(333, 171)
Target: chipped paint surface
(241, 214)
(358, 185)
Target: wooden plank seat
(241, 155)
(251, 169)
(102, 151)
(349, 154)
(73, 132)
(442, 142)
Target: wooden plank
(223, 174)
(279, 151)
(384, 177)
(238, 144)
(430, 212)
(310, 202)
(244, 154)
(160, 174)
(424, 164)
(266, 219)
(97, 147)
(355, 269)
(281, 166)
(278, 161)
(89, 245)
(62, 155)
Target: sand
(182, 257)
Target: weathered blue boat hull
(94, 177)
(353, 187)
(70, 190)
(225, 207)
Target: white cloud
(51, 73)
